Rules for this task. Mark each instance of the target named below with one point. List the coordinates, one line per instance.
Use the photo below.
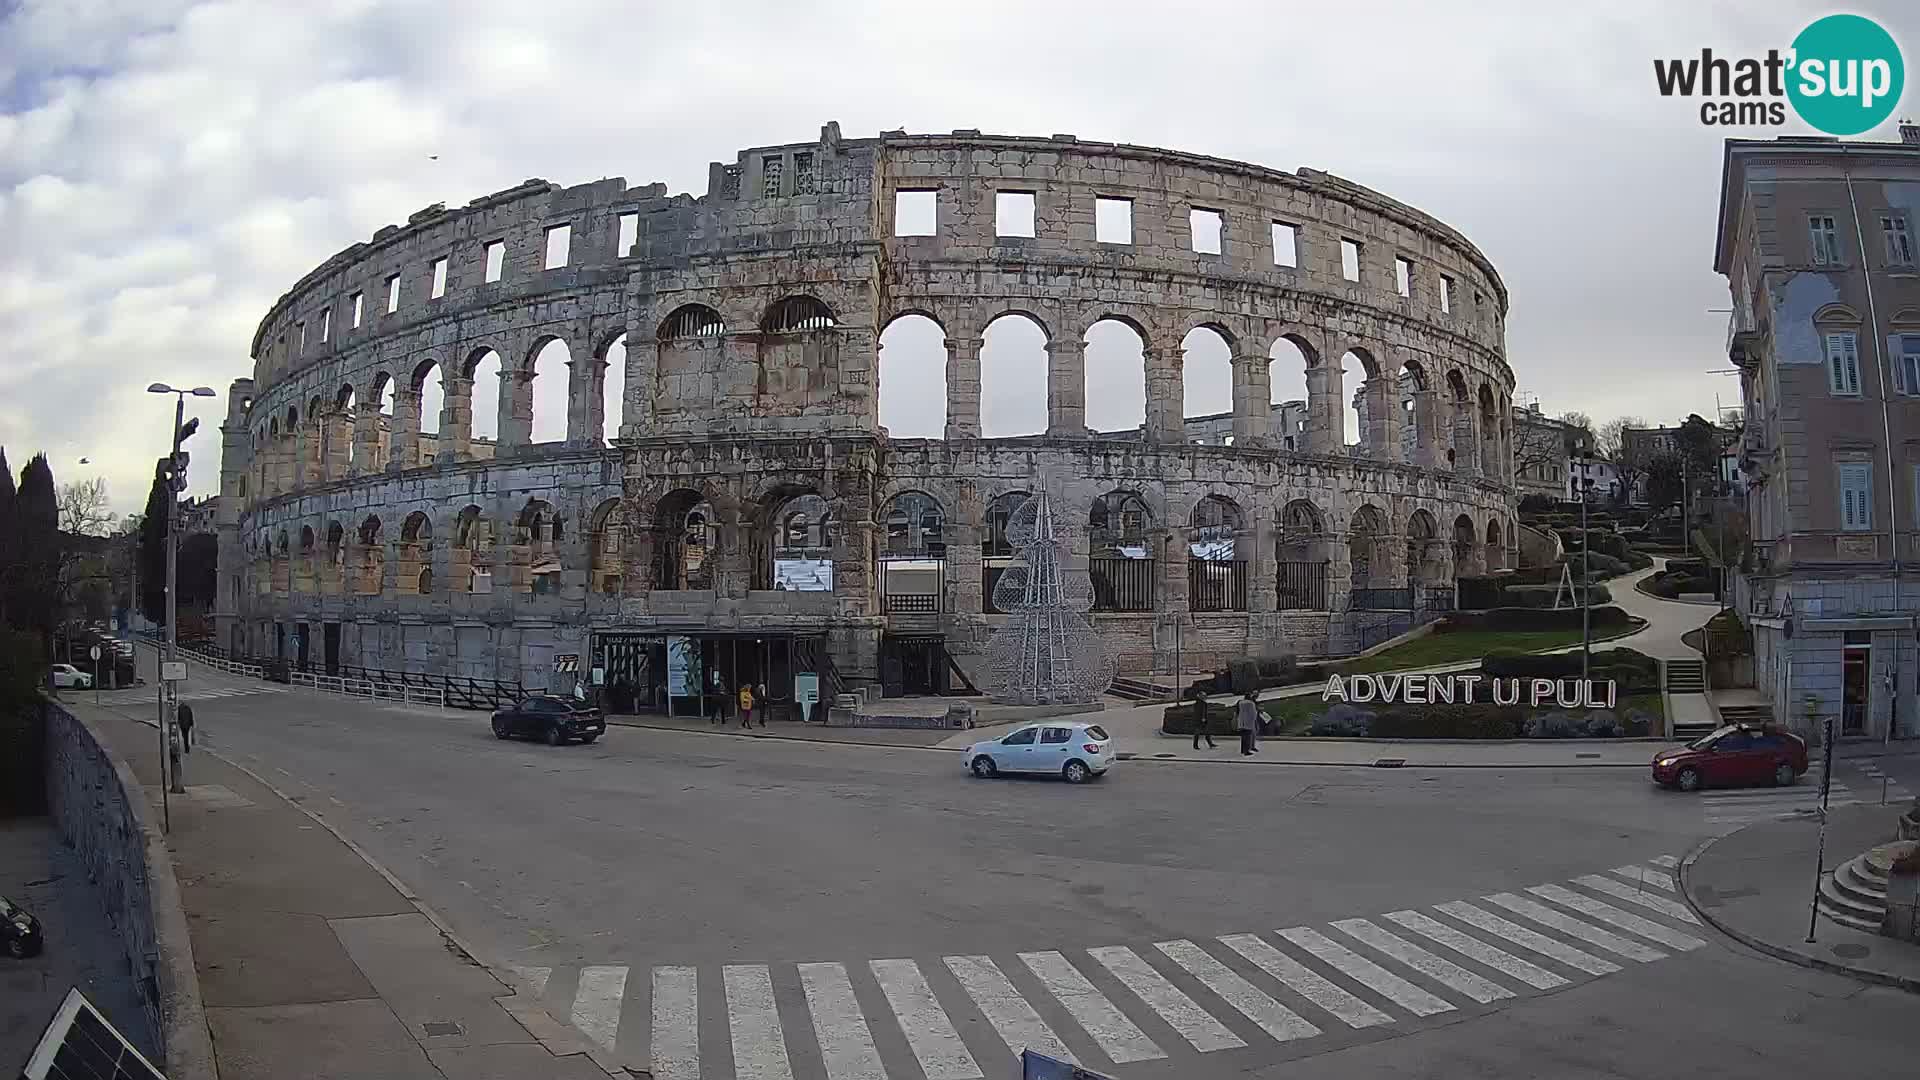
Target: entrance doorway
(300, 645)
(913, 666)
(1856, 682)
(330, 646)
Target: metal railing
(1370, 599)
(1216, 585)
(1302, 586)
(911, 603)
(368, 688)
(212, 658)
(1122, 584)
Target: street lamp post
(1586, 566)
(167, 733)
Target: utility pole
(1586, 572)
(175, 484)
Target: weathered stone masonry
(751, 320)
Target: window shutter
(1900, 382)
(1853, 364)
(1856, 495)
(1817, 241)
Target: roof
(1737, 152)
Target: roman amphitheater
(725, 498)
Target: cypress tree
(152, 550)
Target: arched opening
(613, 388)
(550, 388)
(1300, 552)
(415, 551)
(333, 569)
(303, 579)
(913, 378)
(538, 531)
(796, 314)
(1372, 582)
(685, 534)
(340, 430)
(1216, 570)
(1496, 551)
(485, 369)
(1424, 566)
(470, 560)
(1013, 377)
(692, 339)
(1287, 362)
(1120, 552)
(1355, 369)
(691, 321)
(1116, 378)
(607, 544)
(913, 556)
(1206, 381)
(429, 402)
(996, 550)
(800, 539)
(1489, 434)
(282, 563)
(1416, 421)
(373, 558)
(1460, 450)
(1465, 548)
(380, 402)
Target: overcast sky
(167, 169)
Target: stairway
(1686, 676)
(1746, 714)
(1855, 894)
(1140, 689)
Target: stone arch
(414, 552)
(913, 367)
(1114, 380)
(1120, 546)
(1367, 537)
(914, 525)
(1302, 554)
(370, 572)
(541, 392)
(994, 543)
(470, 561)
(607, 548)
(1289, 357)
(610, 382)
(1013, 374)
(799, 533)
(537, 532)
(1460, 450)
(487, 376)
(1496, 558)
(1466, 547)
(1216, 560)
(1424, 564)
(1206, 380)
(1836, 315)
(797, 314)
(686, 532)
(691, 321)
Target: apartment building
(1817, 242)
(1545, 452)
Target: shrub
(1596, 564)
(1260, 673)
(1447, 722)
(1344, 721)
(1555, 725)
(23, 671)
(1537, 503)
(1179, 719)
(1542, 596)
(1529, 620)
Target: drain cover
(1163, 755)
(1850, 952)
(1389, 762)
(1586, 755)
(441, 1027)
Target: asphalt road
(741, 866)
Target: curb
(1909, 983)
(548, 1041)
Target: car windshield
(1711, 737)
(1097, 732)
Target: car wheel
(16, 948)
(500, 728)
(1689, 779)
(555, 736)
(1783, 774)
(1077, 772)
(588, 738)
(984, 768)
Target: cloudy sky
(167, 169)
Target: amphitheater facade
(753, 519)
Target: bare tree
(83, 508)
(1538, 444)
(1629, 460)
(1611, 436)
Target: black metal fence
(911, 603)
(1122, 584)
(1302, 586)
(1216, 585)
(1436, 598)
(1372, 599)
(483, 694)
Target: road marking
(1304, 981)
(1019, 1026)
(759, 1046)
(1645, 876)
(846, 1045)
(1607, 940)
(1274, 1018)
(1667, 861)
(1515, 934)
(1118, 1037)
(1433, 967)
(1367, 973)
(1194, 1024)
(535, 978)
(1466, 945)
(929, 1033)
(1607, 913)
(1661, 904)
(676, 1023)
(596, 1005)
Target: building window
(439, 279)
(300, 334)
(496, 259)
(1826, 240)
(326, 325)
(559, 246)
(805, 180)
(1112, 220)
(1856, 496)
(1286, 244)
(359, 304)
(1013, 213)
(1446, 295)
(393, 294)
(1843, 364)
(1350, 260)
(1899, 240)
(627, 236)
(1403, 275)
(1206, 227)
(916, 213)
(1916, 494)
(771, 170)
(1906, 364)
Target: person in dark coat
(1200, 731)
(1246, 715)
(183, 716)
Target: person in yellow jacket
(746, 705)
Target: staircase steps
(1686, 677)
(1855, 894)
(1140, 689)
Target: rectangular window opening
(1826, 240)
(1856, 496)
(1013, 213)
(439, 279)
(628, 235)
(496, 259)
(1350, 260)
(300, 334)
(1207, 227)
(326, 325)
(1907, 365)
(1843, 364)
(359, 307)
(1446, 295)
(393, 294)
(772, 171)
(1403, 275)
(1286, 244)
(916, 213)
(1112, 220)
(559, 245)
(1899, 240)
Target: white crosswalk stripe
(929, 1033)
(1119, 1039)
(1304, 981)
(1253, 1003)
(1472, 947)
(846, 1046)
(1191, 989)
(1741, 806)
(1667, 861)
(759, 1044)
(1644, 876)
(1514, 934)
(1019, 1026)
(1593, 935)
(1672, 909)
(1367, 973)
(1607, 913)
(1181, 1013)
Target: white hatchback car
(1078, 752)
(68, 677)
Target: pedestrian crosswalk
(1730, 808)
(966, 1017)
(203, 693)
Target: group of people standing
(1246, 718)
(751, 699)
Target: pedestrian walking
(1200, 718)
(760, 695)
(1247, 718)
(746, 705)
(723, 700)
(183, 718)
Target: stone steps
(1855, 894)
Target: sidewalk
(313, 963)
(1756, 886)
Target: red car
(1732, 756)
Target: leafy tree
(1663, 472)
(152, 552)
(8, 528)
(197, 569)
(1698, 443)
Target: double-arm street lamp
(176, 481)
(1585, 484)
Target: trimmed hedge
(1634, 672)
(1542, 596)
(1481, 721)
(1602, 619)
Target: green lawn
(1438, 648)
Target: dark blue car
(19, 930)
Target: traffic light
(186, 431)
